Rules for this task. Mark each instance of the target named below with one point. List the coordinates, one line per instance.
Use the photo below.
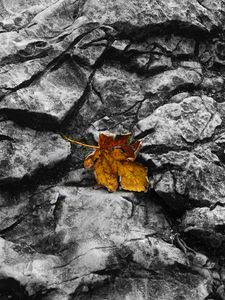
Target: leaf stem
(79, 143)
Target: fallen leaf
(113, 163)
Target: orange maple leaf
(113, 163)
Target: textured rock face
(177, 124)
(78, 67)
(24, 151)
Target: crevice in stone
(5, 138)
(4, 231)
(71, 115)
(34, 120)
(12, 289)
(186, 29)
(186, 87)
(210, 243)
(201, 4)
(56, 62)
(42, 176)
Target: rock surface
(75, 238)
(24, 151)
(78, 67)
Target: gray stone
(118, 89)
(55, 94)
(120, 45)
(79, 177)
(173, 44)
(170, 81)
(134, 13)
(153, 68)
(206, 224)
(157, 63)
(15, 15)
(214, 84)
(177, 124)
(93, 232)
(192, 176)
(204, 219)
(24, 151)
(179, 97)
(91, 47)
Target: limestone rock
(188, 177)
(206, 223)
(170, 81)
(89, 239)
(78, 67)
(174, 45)
(55, 95)
(177, 124)
(91, 47)
(24, 151)
(133, 13)
(205, 219)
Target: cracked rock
(140, 14)
(186, 177)
(207, 224)
(23, 151)
(177, 124)
(172, 45)
(91, 47)
(77, 67)
(170, 81)
(54, 95)
(92, 238)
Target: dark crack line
(202, 5)
(128, 109)
(6, 138)
(83, 254)
(81, 102)
(21, 218)
(90, 44)
(12, 226)
(97, 93)
(56, 61)
(133, 205)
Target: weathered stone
(192, 65)
(120, 94)
(91, 111)
(88, 233)
(138, 14)
(179, 97)
(205, 220)
(79, 177)
(91, 47)
(29, 268)
(219, 54)
(206, 224)
(55, 94)
(108, 124)
(118, 89)
(24, 151)
(146, 63)
(214, 84)
(173, 45)
(193, 177)
(80, 67)
(13, 75)
(177, 124)
(17, 14)
(120, 45)
(170, 81)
